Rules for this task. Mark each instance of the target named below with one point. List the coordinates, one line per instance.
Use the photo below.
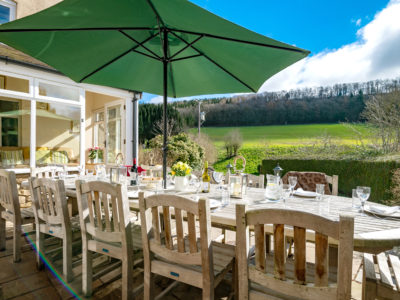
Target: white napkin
(383, 210)
(133, 194)
(214, 203)
(302, 193)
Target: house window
(7, 11)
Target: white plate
(382, 211)
(214, 203)
(306, 194)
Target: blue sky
(326, 28)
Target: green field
(258, 136)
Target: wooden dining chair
(47, 171)
(50, 207)
(378, 281)
(308, 180)
(256, 181)
(10, 211)
(107, 229)
(197, 262)
(286, 278)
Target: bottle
(134, 173)
(206, 179)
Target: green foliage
(150, 115)
(252, 155)
(180, 148)
(376, 174)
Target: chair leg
(235, 279)
(208, 294)
(67, 258)
(39, 248)
(223, 232)
(148, 288)
(17, 231)
(2, 232)
(127, 280)
(86, 271)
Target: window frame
(12, 6)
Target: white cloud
(357, 22)
(375, 55)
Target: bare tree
(172, 127)
(383, 113)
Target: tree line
(329, 104)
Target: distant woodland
(331, 104)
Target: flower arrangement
(181, 169)
(95, 152)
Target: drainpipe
(135, 124)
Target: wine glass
(285, 192)
(292, 184)
(218, 178)
(363, 193)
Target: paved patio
(23, 281)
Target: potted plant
(181, 171)
(95, 154)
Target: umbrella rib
(143, 46)
(145, 54)
(184, 48)
(75, 29)
(242, 41)
(186, 57)
(116, 58)
(217, 64)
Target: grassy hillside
(259, 136)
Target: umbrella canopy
(171, 48)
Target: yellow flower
(187, 171)
(173, 172)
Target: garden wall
(351, 173)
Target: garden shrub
(180, 148)
(376, 174)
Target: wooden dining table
(372, 234)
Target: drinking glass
(320, 191)
(225, 195)
(355, 201)
(101, 171)
(196, 183)
(363, 193)
(292, 183)
(285, 192)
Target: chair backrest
(255, 181)
(159, 240)
(47, 171)
(49, 201)
(104, 212)
(334, 182)
(9, 192)
(308, 180)
(299, 285)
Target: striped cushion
(59, 157)
(43, 156)
(12, 157)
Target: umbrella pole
(165, 102)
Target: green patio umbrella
(171, 48)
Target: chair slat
(167, 227)
(179, 230)
(97, 206)
(156, 223)
(279, 251)
(321, 259)
(260, 246)
(191, 220)
(395, 263)
(386, 276)
(115, 215)
(300, 255)
(90, 207)
(106, 207)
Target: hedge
(351, 173)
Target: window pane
(57, 134)
(14, 84)
(4, 14)
(50, 90)
(114, 123)
(15, 121)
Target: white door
(115, 132)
